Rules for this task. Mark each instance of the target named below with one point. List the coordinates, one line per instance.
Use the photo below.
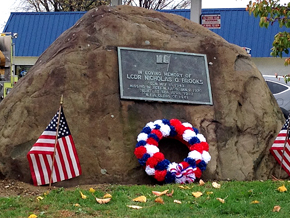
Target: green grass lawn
(239, 201)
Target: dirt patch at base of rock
(11, 188)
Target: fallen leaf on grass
(177, 201)
(134, 207)
(255, 202)
(282, 188)
(83, 196)
(183, 187)
(216, 185)
(103, 201)
(140, 199)
(208, 194)
(46, 193)
(39, 198)
(159, 200)
(170, 194)
(32, 216)
(276, 208)
(92, 190)
(197, 194)
(77, 205)
(221, 200)
(160, 193)
(107, 196)
(201, 182)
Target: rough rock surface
(82, 64)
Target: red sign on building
(211, 21)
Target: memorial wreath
(153, 160)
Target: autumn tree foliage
(269, 12)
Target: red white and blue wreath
(153, 160)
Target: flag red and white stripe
(40, 157)
(282, 145)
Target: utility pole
(195, 11)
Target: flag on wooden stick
(281, 147)
(58, 151)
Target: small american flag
(40, 157)
(278, 148)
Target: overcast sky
(7, 6)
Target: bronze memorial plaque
(156, 75)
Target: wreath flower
(154, 162)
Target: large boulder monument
(99, 66)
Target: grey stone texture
(82, 64)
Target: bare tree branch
(85, 5)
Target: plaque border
(157, 99)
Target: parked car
(281, 91)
